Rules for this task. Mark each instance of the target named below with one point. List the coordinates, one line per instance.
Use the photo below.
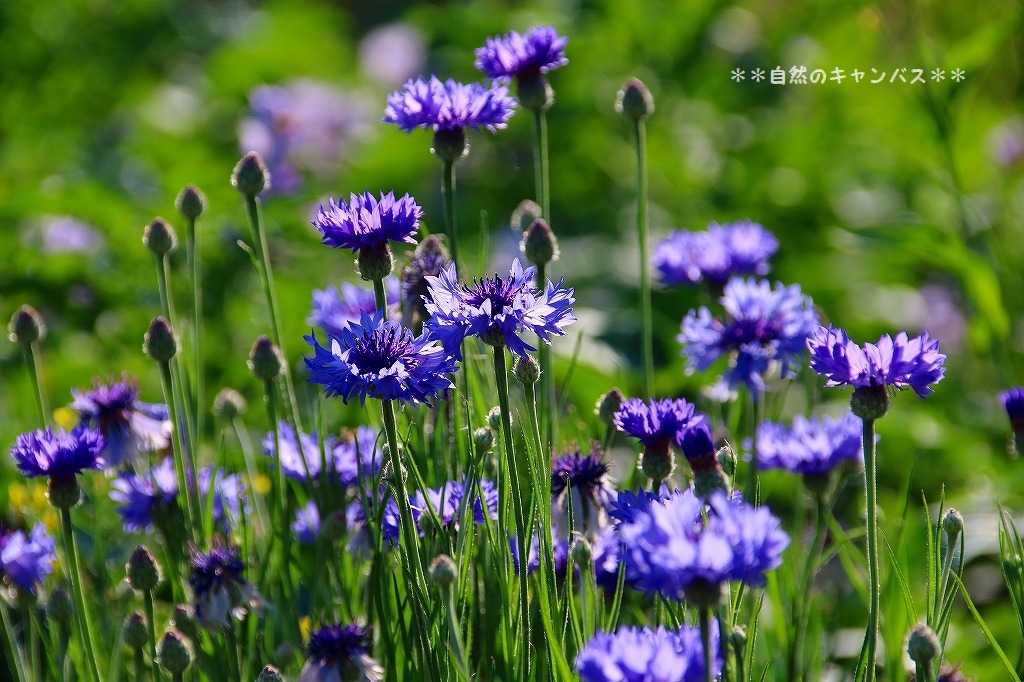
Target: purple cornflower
(366, 224)
(812, 446)
(448, 106)
(762, 327)
(740, 248)
(307, 523)
(656, 424)
(302, 125)
(1013, 403)
(580, 487)
(338, 652)
(522, 56)
(58, 454)
(897, 362)
(634, 654)
(27, 560)
(497, 310)
(149, 499)
(219, 588)
(670, 549)
(129, 426)
(333, 310)
(429, 259)
(448, 500)
(380, 359)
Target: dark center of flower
(335, 644)
(741, 332)
(381, 349)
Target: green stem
(151, 624)
(455, 636)
(197, 320)
(639, 138)
(140, 664)
(81, 618)
(510, 471)
(924, 672)
(871, 495)
(266, 273)
(448, 198)
(705, 641)
(281, 499)
(540, 162)
(232, 644)
(757, 408)
(803, 598)
(14, 657)
(546, 399)
(34, 365)
(189, 488)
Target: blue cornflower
(526, 55)
(27, 560)
(580, 482)
(299, 457)
(350, 457)
(497, 310)
(366, 224)
(128, 425)
(670, 549)
(1013, 402)
(333, 310)
(428, 260)
(307, 523)
(447, 502)
(357, 456)
(812, 446)
(449, 106)
(148, 499)
(656, 424)
(688, 258)
(634, 654)
(897, 362)
(58, 454)
(219, 588)
(380, 359)
(763, 327)
(607, 552)
(338, 652)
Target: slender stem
(455, 636)
(35, 373)
(801, 606)
(81, 618)
(501, 382)
(540, 162)
(640, 140)
(140, 664)
(546, 400)
(197, 325)
(870, 494)
(252, 206)
(232, 643)
(151, 624)
(281, 499)
(705, 641)
(757, 405)
(448, 197)
(13, 652)
(189, 487)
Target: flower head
(428, 260)
(741, 248)
(26, 560)
(449, 105)
(219, 588)
(669, 547)
(307, 523)
(380, 359)
(58, 454)
(366, 223)
(656, 422)
(580, 483)
(762, 327)
(898, 362)
(334, 309)
(812, 446)
(497, 310)
(634, 654)
(353, 456)
(537, 51)
(129, 426)
(336, 652)
(1013, 403)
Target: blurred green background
(897, 205)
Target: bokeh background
(897, 205)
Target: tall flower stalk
(191, 203)
(27, 329)
(870, 370)
(636, 104)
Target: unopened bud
(26, 326)
(270, 674)
(191, 202)
(251, 176)
(59, 606)
(483, 440)
(923, 645)
(265, 360)
(443, 571)
(526, 370)
(142, 569)
(159, 343)
(228, 404)
(952, 524)
(174, 652)
(634, 100)
(159, 237)
(135, 631)
(582, 553)
(608, 405)
(494, 419)
(183, 618)
(539, 244)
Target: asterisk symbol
(737, 75)
(958, 75)
(757, 75)
(938, 74)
